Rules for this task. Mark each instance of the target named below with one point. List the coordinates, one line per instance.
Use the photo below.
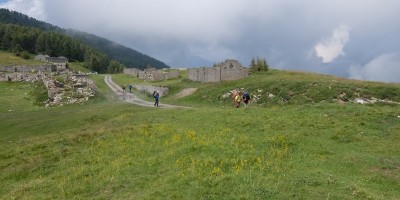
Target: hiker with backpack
(237, 98)
(123, 88)
(130, 88)
(156, 96)
(246, 98)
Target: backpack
(246, 96)
(238, 98)
(156, 95)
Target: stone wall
(132, 71)
(29, 73)
(193, 74)
(20, 76)
(28, 68)
(151, 88)
(156, 76)
(228, 70)
(151, 74)
(171, 74)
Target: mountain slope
(120, 53)
(124, 55)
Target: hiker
(130, 88)
(156, 95)
(237, 98)
(246, 98)
(123, 88)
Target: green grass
(105, 149)
(288, 87)
(7, 58)
(78, 67)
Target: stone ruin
(225, 71)
(152, 74)
(74, 88)
(149, 89)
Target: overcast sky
(349, 38)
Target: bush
(258, 65)
(25, 55)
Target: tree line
(24, 40)
(100, 48)
(124, 55)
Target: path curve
(131, 98)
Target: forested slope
(22, 33)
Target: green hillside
(278, 87)
(7, 59)
(40, 37)
(127, 56)
(308, 146)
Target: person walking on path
(130, 88)
(123, 88)
(156, 96)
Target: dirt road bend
(132, 98)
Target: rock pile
(63, 87)
(73, 89)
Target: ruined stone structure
(60, 62)
(132, 71)
(28, 68)
(24, 72)
(162, 91)
(152, 74)
(228, 70)
(59, 93)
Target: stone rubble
(63, 87)
(76, 89)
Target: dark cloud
(329, 37)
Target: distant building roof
(46, 58)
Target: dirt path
(132, 98)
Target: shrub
(259, 64)
(25, 55)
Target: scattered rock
(186, 92)
(360, 101)
(271, 96)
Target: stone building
(225, 71)
(61, 62)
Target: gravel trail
(132, 98)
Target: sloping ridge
(127, 56)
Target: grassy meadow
(299, 145)
(8, 58)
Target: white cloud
(329, 49)
(385, 68)
(32, 8)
